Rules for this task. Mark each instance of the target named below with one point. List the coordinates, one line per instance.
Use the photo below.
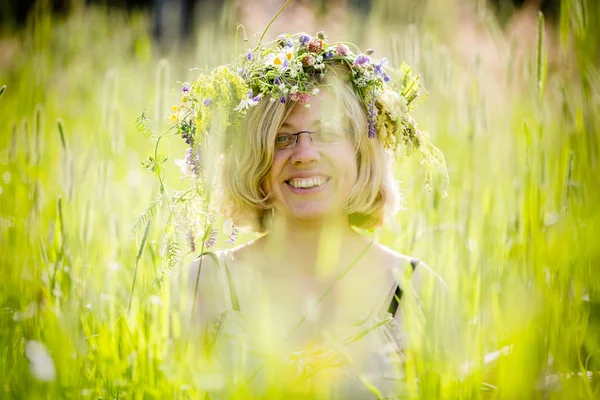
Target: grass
(93, 309)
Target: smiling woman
(311, 306)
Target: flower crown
(290, 69)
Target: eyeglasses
(322, 137)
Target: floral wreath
(289, 69)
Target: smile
(306, 184)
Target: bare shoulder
(204, 262)
(203, 273)
(388, 257)
(399, 265)
(208, 278)
(211, 260)
(393, 262)
(245, 253)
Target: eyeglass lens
(286, 140)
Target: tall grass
(92, 308)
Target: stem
(271, 22)
(541, 59)
(137, 261)
(197, 281)
(237, 28)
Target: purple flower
(372, 117)
(283, 99)
(304, 39)
(372, 130)
(378, 68)
(207, 101)
(212, 238)
(276, 80)
(386, 78)
(192, 160)
(188, 135)
(233, 236)
(285, 64)
(191, 240)
(284, 41)
(328, 55)
(361, 60)
(186, 87)
(254, 98)
(249, 56)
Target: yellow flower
(276, 60)
(174, 117)
(289, 55)
(175, 108)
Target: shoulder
(248, 250)
(392, 261)
(203, 263)
(406, 268)
(211, 260)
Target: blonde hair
(250, 158)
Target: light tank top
(325, 367)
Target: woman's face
(310, 180)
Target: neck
(316, 247)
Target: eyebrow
(288, 125)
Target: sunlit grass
(516, 239)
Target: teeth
(307, 182)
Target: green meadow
(93, 299)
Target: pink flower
(300, 98)
(308, 60)
(342, 49)
(315, 45)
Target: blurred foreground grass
(517, 239)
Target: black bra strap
(398, 293)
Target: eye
(283, 137)
(331, 135)
(283, 140)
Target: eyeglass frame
(310, 133)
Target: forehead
(324, 109)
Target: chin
(312, 212)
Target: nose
(305, 151)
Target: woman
(312, 302)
